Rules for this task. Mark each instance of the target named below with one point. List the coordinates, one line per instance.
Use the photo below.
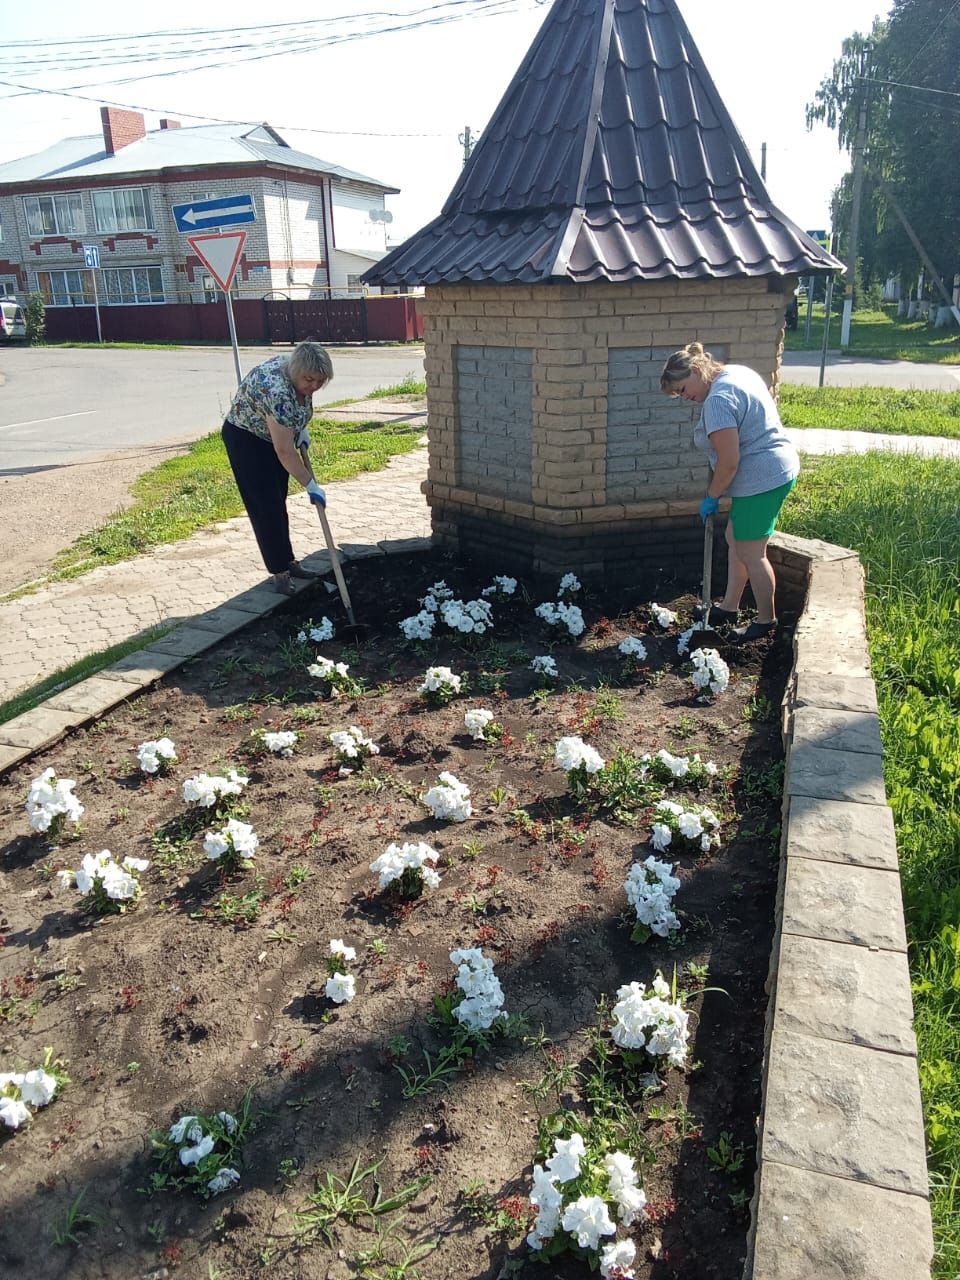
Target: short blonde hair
(678, 367)
(310, 357)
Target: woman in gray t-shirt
(752, 462)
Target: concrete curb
(841, 1186)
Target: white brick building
(318, 225)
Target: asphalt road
(61, 404)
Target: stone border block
(838, 992)
(836, 729)
(816, 1227)
(850, 1112)
(842, 903)
(834, 775)
(862, 835)
(144, 667)
(185, 642)
(37, 728)
(222, 620)
(91, 697)
(847, 693)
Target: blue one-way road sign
(225, 211)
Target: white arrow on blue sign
(225, 211)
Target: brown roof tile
(610, 157)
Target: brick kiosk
(609, 215)
(551, 445)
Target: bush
(36, 318)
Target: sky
(393, 105)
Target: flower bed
(432, 1026)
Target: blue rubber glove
(316, 494)
(709, 507)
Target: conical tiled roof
(610, 157)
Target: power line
(950, 11)
(896, 84)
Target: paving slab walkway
(58, 625)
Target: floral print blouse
(265, 392)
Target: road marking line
(34, 422)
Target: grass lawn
(883, 409)
(879, 335)
(900, 514)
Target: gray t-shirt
(738, 397)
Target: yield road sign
(91, 256)
(224, 211)
(219, 254)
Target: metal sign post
(221, 255)
(91, 260)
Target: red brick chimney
(120, 128)
(169, 124)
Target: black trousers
(262, 480)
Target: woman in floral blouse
(268, 422)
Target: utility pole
(859, 146)
(468, 142)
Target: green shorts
(756, 516)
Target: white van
(13, 323)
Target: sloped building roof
(162, 150)
(610, 157)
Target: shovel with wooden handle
(706, 633)
(356, 630)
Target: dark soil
(172, 1008)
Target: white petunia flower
(633, 647)
(569, 585)
(588, 1219)
(662, 617)
(482, 1003)
(398, 858)
(51, 801)
(476, 721)
(419, 626)
(564, 1164)
(155, 755)
(544, 665)
(222, 1180)
(341, 988)
(616, 1260)
(194, 1154)
(280, 743)
(568, 616)
(572, 753)
(316, 631)
(13, 1112)
(449, 799)
(710, 674)
(38, 1088)
(338, 948)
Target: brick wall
(495, 420)
(611, 463)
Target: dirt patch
(192, 999)
(45, 511)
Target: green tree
(36, 319)
(907, 72)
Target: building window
(354, 283)
(65, 288)
(212, 291)
(125, 209)
(126, 285)
(116, 286)
(54, 215)
(7, 290)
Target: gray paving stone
(852, 1112)
(840, 831)
(37, 728)
(834, 775)
(842, 992)
(849, 693)
(841, 903)
(836, 730)
(814, 1227)
(91, 697)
